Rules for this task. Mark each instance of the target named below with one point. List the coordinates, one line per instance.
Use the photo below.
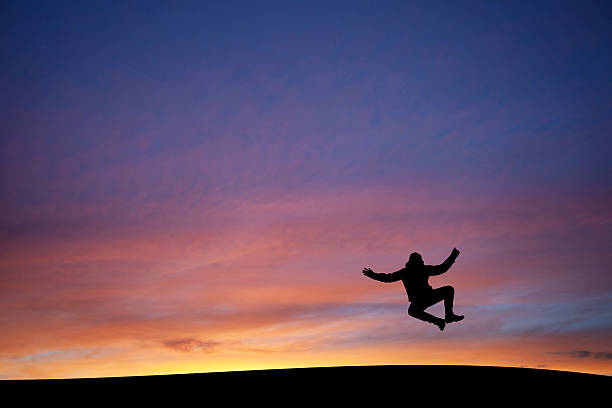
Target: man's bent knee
(415, 311)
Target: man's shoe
(453, 318)
(440, 323)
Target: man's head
(415, 259)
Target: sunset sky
(196, 187)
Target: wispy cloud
(191, 345)
(600, 355)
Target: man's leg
(446, 293)
(417, 311)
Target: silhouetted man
(415, 278)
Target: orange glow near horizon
(157, 361)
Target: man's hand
(455, 252)
(368, 272)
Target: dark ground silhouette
(415, 276)
(391, 385)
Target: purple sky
(252, 158)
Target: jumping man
(415, 278)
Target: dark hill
(406, 385)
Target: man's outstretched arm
(433, 270)
(383, 277)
